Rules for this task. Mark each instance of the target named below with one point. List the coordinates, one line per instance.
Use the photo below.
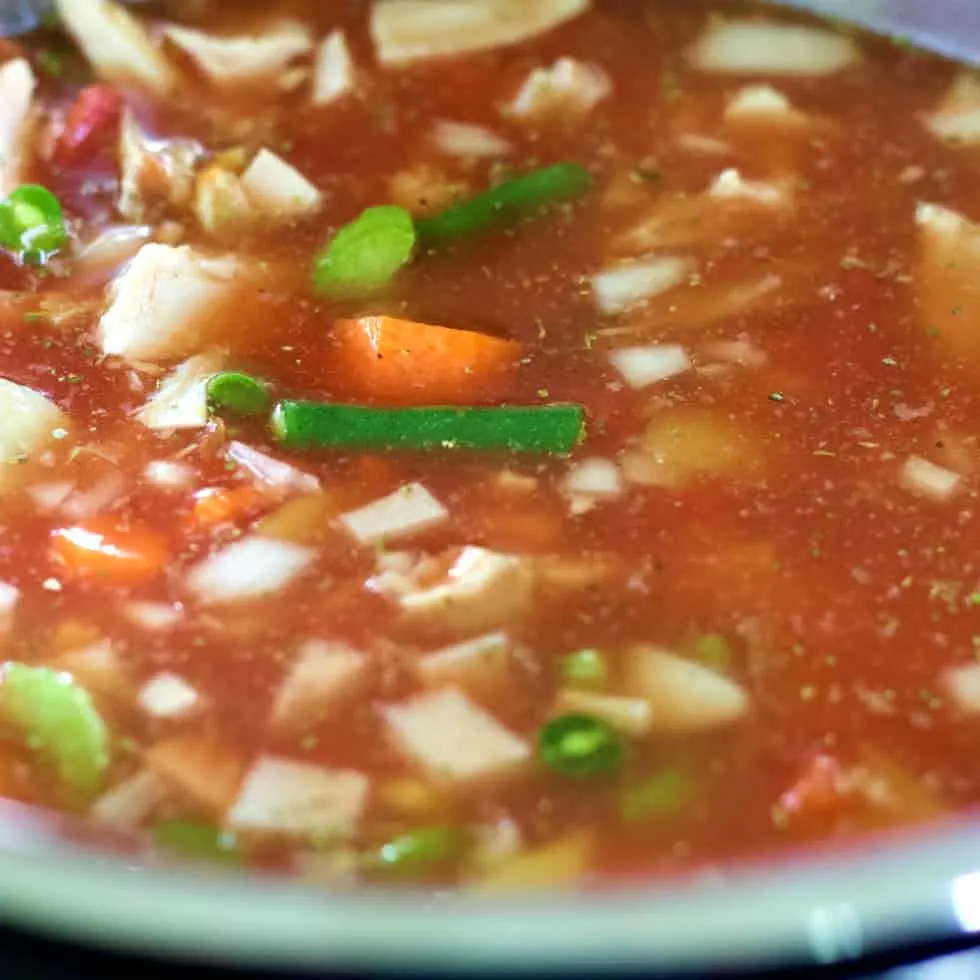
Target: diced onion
(409, 510)
(568, 87)
(168, 474)
(9, 597)
(278, 189)
(468, 140)
(181, 401)
(759, 47)
(632, 717)
(333, 69)
(644, 366)
(594, 477)
(247, 569)
(268, 470)
(731, 187)
(621, 286)
(962, 683)
(295, 799)
(153, 616)
(925, 479)
(168, 696)
(957, 119)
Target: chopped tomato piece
(217, 505)
(90, 125)
(102, 548)
(404, 362)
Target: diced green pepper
(543, 429)
(579, 746)
(364, 255)
(515, 198)
(59, 722)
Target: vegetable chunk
(17, 84)
(480, 747)
(31, 422)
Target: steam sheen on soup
(505, 444)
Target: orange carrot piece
(101, 548)
(408, 363)
(216, 505)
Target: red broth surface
(741, 614)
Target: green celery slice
(196, 841)
(59, 722)
(512, 199)
(543, 429)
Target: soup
(492, 444)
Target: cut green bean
(541, 429)
(579, 746)
(32, 223)
(238, 394)
(513, 199)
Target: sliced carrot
(408, 363)
(90, 125)
(216, 505)
(103, 549)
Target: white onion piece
(762, 104)
(731, 187)
(622, 286)
(268, 470)
(50, 496)
(168, 474)
(30, 422)
(758, 47)
(474, 665)
(925, 479)
(81, 504)
(631, 716)
(741, 352)
(641, 367)
(593, 477)
(685, 695)
(116, 44)
(9, 597)
(111, 247)
(169, 697)
(568, 87)
(153, 616)
(277, 189)
(231, 60)
(295, 799)
(957, 119)
(17, 85)
(468, 140)
(407, 30)
(132, 802)
(962, 684)
(479, 747)
(333, 69)
(248, 569)
(409, 510)
(181, 401)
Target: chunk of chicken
(17, 84)
(233, 60)
(167, 302)
(117, 45)
(408, 30)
